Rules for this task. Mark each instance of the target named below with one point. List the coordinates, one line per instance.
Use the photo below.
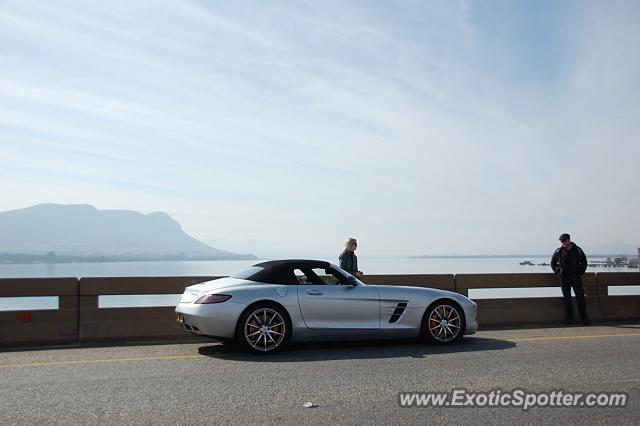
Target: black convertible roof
(299, 263)
(282, 271)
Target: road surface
(351, 383)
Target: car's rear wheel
(264, 328)
(443, 323)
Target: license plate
(180, 318)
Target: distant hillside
(84, 231)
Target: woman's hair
(348, 242)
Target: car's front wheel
(264, 328)
(443, 323)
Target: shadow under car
(376, 349)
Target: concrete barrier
(80, 319)
(521, 311)
(40, 326)
(97, 323)
(619, 307)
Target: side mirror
(351, 281)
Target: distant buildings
(634, 263)
(618, 262)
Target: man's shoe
(586, 321)
(568, 321)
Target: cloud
(419, 128)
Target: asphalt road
(351, 383)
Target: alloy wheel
(444, 323)
(265, 329)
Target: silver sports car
(273, 303)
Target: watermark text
(518, 398)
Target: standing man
(569, 263)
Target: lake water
(370, 265)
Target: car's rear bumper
(215, 319)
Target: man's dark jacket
(570, 263)
(349, 262)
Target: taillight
(213, 298)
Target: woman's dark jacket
(349, 262)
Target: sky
(281, 128)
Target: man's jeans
(576, 283)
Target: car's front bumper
(471, 316)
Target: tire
(264, 328)
(443, 323)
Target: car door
(326, 303)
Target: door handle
(311, 292)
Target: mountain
(83, 230)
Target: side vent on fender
(397, 313)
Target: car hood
(393, 292)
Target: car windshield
(248, 273)
(346, 274)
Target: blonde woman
(348, 258)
